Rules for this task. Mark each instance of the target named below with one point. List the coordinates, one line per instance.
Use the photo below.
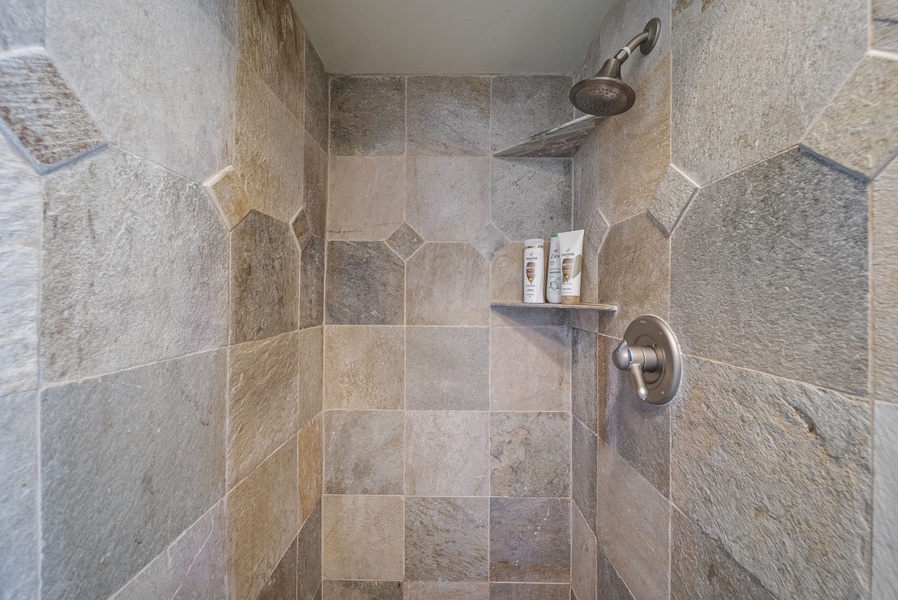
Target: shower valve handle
(635, 361)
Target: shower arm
(645, 41)
(624, 53)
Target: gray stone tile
(884, 280)
(885, 512)
(405, 241)
(885, 25)
(489, 241)
(523, 105)
(281, 584)
(20, 222)
(530, 455)
(529, 591)
(309, 556)
(229, 194)
(768, 512)
(366, 200)
(584, 377)
(311, 283)
(583, 556)
(367, 116)
(720, 121)
(609, 582)
(21, 24)
(119, 460)
(127, 246)
(447, 539)
(315, 185)
(587, 214)
(858, 129)
(262, 521)
(530, 368)
(447, 453)
(263, 407)
(311, 373)
(672, 198)
(363, 452)
(446, 590)
(741, 292)
(301, 230)
(365, 284)
(20, 529)
(180, 118)
(448, 198)
(363, 538)
(311, 452)
(447, 368)
(42, 112)
(531, 197)
(448, 116)
(224, 14)
(700, 568)
(447, 284)
(363, 590)
(583, 466)
(530, 539)
(316, 93)
(364, 367)
(505, 274)
(265, 286)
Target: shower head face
(603, 96)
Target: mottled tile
(529, 591)
(489, 241)
(265, 286)
(366, 200)
(583, 557)
(316, 94)
(530, 368)
(530, 454)
(447, 368)
(448, 198)
(587, 213)
(363, 452)
(506, 283)
(885, 25)
(448, 116)
(748, 269)
(301, 230)
(228, 191)
(885, 512)
(446, 590)
(530, 539)
(311, 283)
(405, 241)
(262, 521)
(367, 116)
(178, 117)
(281, 584)
(315, 184)
(522, 105)
(447, 284)
(119, 460)
(311, 373)
(224, 14)
(21, 23)
(311, 453)
(127, 246)
(723, 118)
(671, 199)
(447, 539)
(447, 453)
(363, 538)
(309, 556)
(608, 580)
(884, 281)
(365, 284)
(364, 367)
(363, 590)
(583, 468)
(531, 197)
(263, 394)
(584, 377)
(765, 479)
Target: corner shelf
(599, 307)
(559, 142)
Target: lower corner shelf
(598, 307)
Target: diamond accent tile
(405, 241)
(490, 241)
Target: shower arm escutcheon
(650, 355)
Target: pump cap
(534, 242)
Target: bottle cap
(534, 242)
(554, 235)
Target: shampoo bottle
(553, 282)
(534, 271)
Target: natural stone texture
(748, 269)
(366, 197)
(446, 590)
(405, 241)
(523, 105)
(447, 368)
(315, 185)
(584, 377)
(269, 148)
(262, 521)
(363, 590)
(506, 283)
(529, 591)
(365, 284)
(265, 286)
(367, 116)
(447, 284)
(309, 556)
(135, 268)
(281, 584)
(263, 411)
(885, 25)
(530, 454)
(584, 445)
(448, 116)
(363, 452)
(530, 368)
(21, 23)
(560, 142)
(447, 539)
(885, 511)
(583, 557)
(119, 460)
(119, 57)
(311, 452)
(311, 283)
(587, 214)
(884, 281)
(609, 582)
(316, 94)
(311, 373)
(671, 199)
(20, 234)
(42, 112)
(271, 45)
(591, 62)
(448, 198)
(859, 128)
(724, 119)
(700, 568)
(224, 14)
(489, 241)
(768, 512)
(363, 538)
(193, 566)
(364, 367)
(530, 539)
(228, 192)
(20, 527)
(447, 453)
(301, 230)
(531, 197)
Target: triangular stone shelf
(560, 142)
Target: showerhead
(606, 95)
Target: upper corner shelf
(599, 307)
(561, 142)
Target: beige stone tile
(583, 557)
(363, 452)
(530, 540)
(311, 373)
(885, 284)
(447, 368)
(310, 467)
(447, 453)
(365, 284)
(506, 275)
(363, 537)
(364, 366)
(530, 454)
(367, 116)
(446, 590)
(530, 368)
(448, 115)
(447, 539)
(366, 197)
(315, 186)
(448, 198)
(447, 284)
(228, 191)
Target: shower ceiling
(451, 36)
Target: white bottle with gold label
(534, 271)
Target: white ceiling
(451, 36)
